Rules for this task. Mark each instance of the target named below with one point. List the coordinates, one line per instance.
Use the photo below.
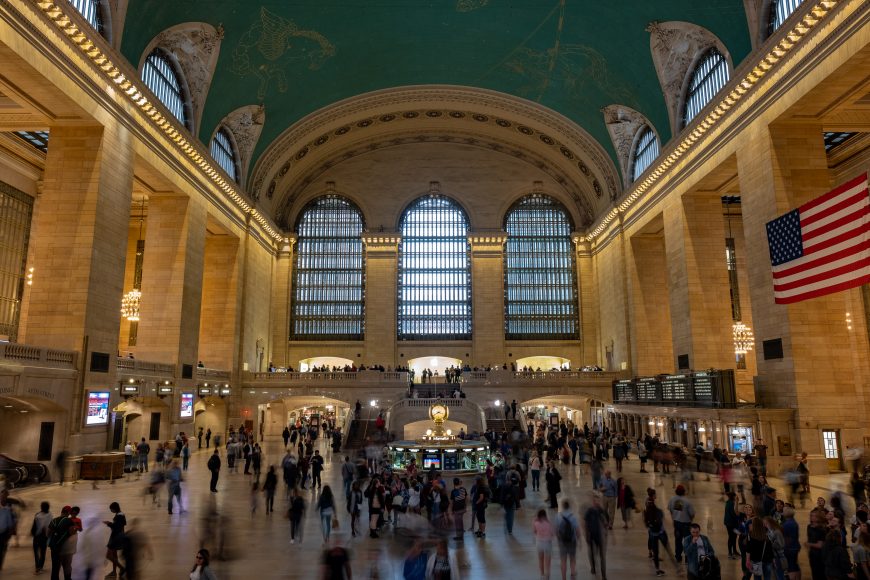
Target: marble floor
(258, 545)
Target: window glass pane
(708, 78)
(90, 9)
(160, 76)
(16, 209)
(329, 272)
(38, 139)
(434, 272)
(780, 10)
(645, 152)
(224, 154)
(540, 280)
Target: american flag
(823, 246)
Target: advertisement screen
(98, 408)
(187, 404)
(432, 461)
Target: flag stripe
(837, 205)
(844, 283)
(833, 239)
(840, 221)
(827, 260)
(861, 181)
(831, 270)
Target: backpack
(459, 498)
(565, 531)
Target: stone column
(779, 170)
(651, 313)
(698, 287)
(487, 308)
(219, 315)
(587, 304)
(172, 277)
(79, 255)
(382, 262)
(282, 292)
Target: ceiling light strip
(136, 94)
(790, 39)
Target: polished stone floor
(258, 545)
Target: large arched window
(434, 272)
(329, 272)
(645, 152)
(710, 75)
(92, 10)
(780, 10)
(160, 75)
(223, 151)
(540, 277)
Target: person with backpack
(596, 522)
(654, 519)
(39, 532)
(214, 466)
(567, 532)
(458, 503)
(683, 514)
(482, 495)
(60, 530)
(510, 503)
(700, 556)
(553, 477)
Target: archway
(435, 363)
(305, 365)
(210, 413)
(544, 363)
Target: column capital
(381, 244)
(582, 245)
(285, 246)
(487, 242)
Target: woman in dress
(544, 539)
(116, 537)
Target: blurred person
(270, 485)
(595, 525)
(838, 565)
(116, 537)
(92, 549)
(654, 519)
(544, 534)
(136, 549)
(567, 533)
(760, 551)
(416, 562)
(173, 486)
(185, 455)
(328, 517)
(609, 496)
(683, 513)
(201, 569)
(458, 504)
(296, 513)
(553, 477)
(442, 563)
(336, 562)
(8, 522)
(354, 503)
(482, 496)
(59, 531)
(791, 535)
(777, 540)
(625, 501)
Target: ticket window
(740, 439)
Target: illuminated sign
(98, 408)
(187, 404)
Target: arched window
(329, 272)
(780, 10)
(540, 277)
(224, 153)
(645, 152)
(92, 11)
(161, 77)
(434, 271)
(709, 76)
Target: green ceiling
(573, 56)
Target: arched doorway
(544, 363)
(317, 362)
(435, 363)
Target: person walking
(683, 513)
(214, 466)
(510, 503)
(116, 538)
(481, 495)
(347, 472)
(296, 513)
(173, 486)
(201, 569)
(60, 530)
(442, 563)
(654, 519)
(760, 552)
(535, 469)
(731, 520)
(316, 469)
(610, 494)
(285, 435)
(553, 477)
(567, 532)
(458, 504)
(700, 555)
(354, 507)
(39, 531)
(8, 524)
(544, 534)
(791, 534)
(328, 517)
(625, 501)
(596, 522)
(270, 485)
(185, 455)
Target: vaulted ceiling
(297, 57)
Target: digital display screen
(432, 460)
(187, 404)
(451, 461)
(98, 408)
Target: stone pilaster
(587, 298)
(172, 277)
(219, 318)
(487, 307)
(282, 292)
(652, 349)
(382, 263)
(698, 281)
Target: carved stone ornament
(196, 46)
(246, 124)
(675, 46)
(623, 124)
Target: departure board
(624, 390)
(676, 387)
(648, 389)
(702, 384)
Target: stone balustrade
(350, 379)
(499, 377)
(209, 373)
(37, 356)
(130, 366)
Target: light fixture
(497, 403)
(701, 429)
(133, 299)
(30, 276)
(373, 403)
(744, 340)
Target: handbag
(758, 567)
(334, 522)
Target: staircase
(500, 425)
(359, 432)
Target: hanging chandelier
(744, 340)
(130, 305)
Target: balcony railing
(145, 367)
(502, 377)
(361, 378)
(37, 356)
(217, 374)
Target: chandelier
(130, 305)
(744, 340)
